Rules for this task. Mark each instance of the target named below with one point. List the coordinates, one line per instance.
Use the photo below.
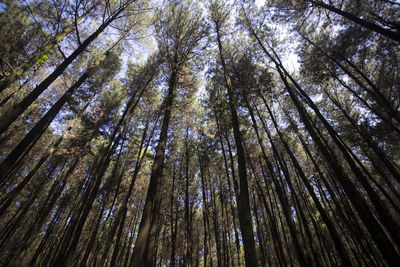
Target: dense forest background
(199, 133)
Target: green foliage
(310, 133)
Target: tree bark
(142, 253)
(13, 113)
(246, 225)
(369, 25)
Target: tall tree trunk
(205, 210)
(246, 225)
(13, 113)
(64, 256)
(188, 256)
(231, 198)
(124, 208)
(377, 233)
(142, 254)
(37, 131)
(332, 230)
(369, 25)
(281, 195)
(41, 52)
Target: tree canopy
(199, 133)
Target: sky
(141, 52)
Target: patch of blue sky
(3, 7)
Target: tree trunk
(43, 51)
(142, 254)
(37, 131)
(335, 236)
(13, 113)
(377, 233)
(246, 225)
(369, 25)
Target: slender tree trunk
(259, 236)
(37, 131)
(246, 225)
(9, 199)
(142, 254)
(205, 210)
(229, 188)
(377, 233)
(281, 195)
(335, 236)
(13, 113)
(43, 51)
(64, 256)
(383, 243)
(45, 240)
(215, 220)
(369, 25)
(43, 213)
(188, 256)
(124, 209)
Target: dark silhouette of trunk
(246, 225)
(331, 228)
(93, 236)
(43, 213)
(20, 214)
(142, 253)
(215, 221)
(346, 216)
(369, 25)
(43, 51)
(45, 241)
(68, 247)
(13, 113)
(229, 188)
(377, 233)
(385, 217)
(9, 199)
(353, 194)
(277, 211)
(277, 242)
(125, 258)
(259, 235)
(65, 254)
(114, 225)
(37, 131)
(303, 260)
(188, 243)
(224, 217)
(124, 208)
(348, 219)
(205, 210)
(173, 221)
(107, 187)
(286, 207)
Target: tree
(13, 113)
(219, 18)
(179, 33)
(199, 133)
